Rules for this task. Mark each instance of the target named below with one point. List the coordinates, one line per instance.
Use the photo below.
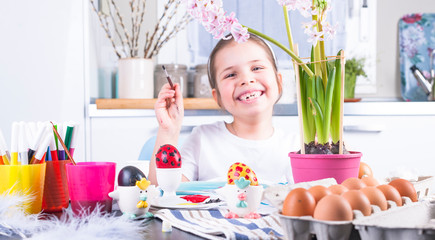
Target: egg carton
(412, 221)
(306, 226)
(276, 194)
(422, 186)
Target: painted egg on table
(240, 170)
(168, 156)
(128, 176)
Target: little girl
(245, 82)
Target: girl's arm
(169, 111)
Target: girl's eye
(256, 68)
(229, 75)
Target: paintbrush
(168, 77)
(168, 101)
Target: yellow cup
(27, 180)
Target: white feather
(15, 223)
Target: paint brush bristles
(63, 144)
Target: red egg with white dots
(240, 170)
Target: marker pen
(52, 146)
(4, 147)
(23, 157)
(68, 135)
(37, 140)
(14, 143)
(60, 149)
(74, 139)
(42, 149)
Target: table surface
(153, 227)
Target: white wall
(42, 63)
(388, 15)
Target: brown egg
(376, 197)
(333, 208)
(405, 188)
(391, 193)
(358, 201)
(338, 189)
(370, 181)
(299, 202)
(319, 192)
(353, 183)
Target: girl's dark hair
(211, 69)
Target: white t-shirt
(210, 150)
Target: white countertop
(363, 108)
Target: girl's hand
(169, 109)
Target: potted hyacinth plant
(319, 81)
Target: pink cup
(89, 184)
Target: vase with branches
(134, 45)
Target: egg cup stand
(306, 226)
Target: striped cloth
(212, 224)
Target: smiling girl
(245, 82)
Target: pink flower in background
(315, 37)
(308, 26)
(212, 16)
(239, 32)
(290, 4)
(329, 31)
(412, 18)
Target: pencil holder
(89, 185)
(27, 180)
(56, 196)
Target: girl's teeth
(250, 96)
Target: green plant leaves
(320, 104)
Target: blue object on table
(195, 187)
(416, 42)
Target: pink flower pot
(310, 167)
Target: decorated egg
(168, 156)
(128, 176)
(240, 170)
